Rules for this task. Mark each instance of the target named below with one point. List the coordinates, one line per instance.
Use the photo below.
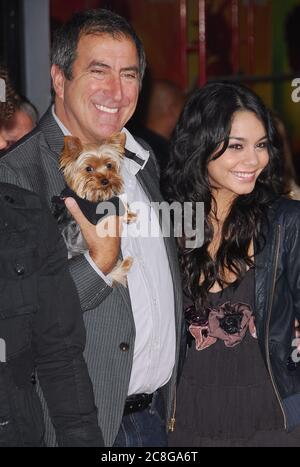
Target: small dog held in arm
(92, 174)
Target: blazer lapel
(53, 134)
(264, 253)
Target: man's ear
(58, 80)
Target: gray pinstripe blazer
(33, 164)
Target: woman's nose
(251, 157)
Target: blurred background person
(164, 102)
(289, 174)
(292, 38)
(8, 107)
(21, 119)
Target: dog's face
(93, 171)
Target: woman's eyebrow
(237, 137)
(244, 139)
(263, 137)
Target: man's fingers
(109, 227)
(77, 213)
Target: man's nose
(115, 88)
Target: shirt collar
(131, 144)
(60, 123)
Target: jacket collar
(53, 134)
(264, 254)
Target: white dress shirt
(149, 282)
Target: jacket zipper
(278, 233)
(171, 424)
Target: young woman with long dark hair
(241, 383)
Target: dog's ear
(72, 147)
(117, 138)
(71, 151)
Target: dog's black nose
(104, 182)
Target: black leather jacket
(41, 330)
(277, 288)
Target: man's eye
(109, 165)
(97, 72)
(130, 75)
(89, 169)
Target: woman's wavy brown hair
(204, 126)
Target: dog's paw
(120, 271)
(130, 217)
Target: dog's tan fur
(93, 173)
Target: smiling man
(102, 94)
(134, 333)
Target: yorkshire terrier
(92, 174)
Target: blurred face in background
(2, 143)
(15, 128)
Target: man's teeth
(244, 174)
(110, 110)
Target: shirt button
(124, 346)
(19, 268)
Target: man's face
(103, 92)
(15, 128)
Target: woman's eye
(89, 169)
(235, 146)
(262, 145)
(109, 165)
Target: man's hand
(103, 239)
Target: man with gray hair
(134, 333)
